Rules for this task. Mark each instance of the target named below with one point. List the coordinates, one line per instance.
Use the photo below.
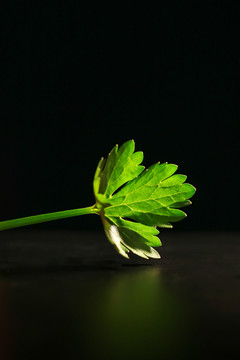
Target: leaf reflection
(135, 314)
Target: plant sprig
(132, 201)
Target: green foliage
(150, 198)
(131, 201)
(121, 166)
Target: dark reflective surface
(69, 295)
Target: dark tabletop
(68, 294)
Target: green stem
(9, 224)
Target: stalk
(36, 219)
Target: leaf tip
(125, 255)
(154, 254)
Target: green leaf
(125, 238)
(151, 197)
(97, 176)
(148, 199)
(132, 202)
(148, 233)
(121, 166)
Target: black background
(77, 80)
